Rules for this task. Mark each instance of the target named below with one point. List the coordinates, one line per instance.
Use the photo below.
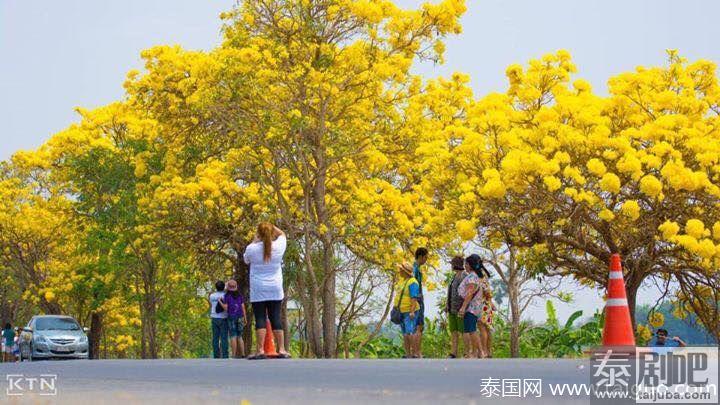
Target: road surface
(206, 381)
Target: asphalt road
(206, 381)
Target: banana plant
(565, 340)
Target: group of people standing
(264, 255)
(228, 320)
(470, 307)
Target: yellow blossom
(631, 209)
(606, 215)
(644, 333)
(466, 229)
(650, 186)
(49, 295)
(695, 228)
(656, 319)
(610, 183)
(669, 229)
(596, 167)
(493, 188)
(552, 183)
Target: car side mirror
(86, 329)
(27, 329)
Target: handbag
(395, 314)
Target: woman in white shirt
(265, 255)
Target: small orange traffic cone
(618, 329)
(269, 344)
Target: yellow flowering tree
(308, 115)
(212, 216)
(36, 242)
(305, 95)
(551, 163)
(102, 164)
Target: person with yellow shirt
(407, 296)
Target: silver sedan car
(53, 336)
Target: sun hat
(406, 268)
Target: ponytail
(265, 233)
(487, 272)
(477, 266)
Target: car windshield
(56, 324)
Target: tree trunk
(176, 350)
(309, 313)
(329, 310)
(148, 309)
(319, 192)
(7, 311)
(50, 307)
(633, 280)
(241, 272)
(514, 299)
(141, 308)
(314, 326)
(248, 332)
(311, 306)
(285, 325)
(631, 291)
(149, 326)
(96, 330)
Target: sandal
(452, 356)
(284, 356)
(257, 356)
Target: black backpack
(219, 308)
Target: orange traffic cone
(618, 329)
(269, 344)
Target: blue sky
(56, 55)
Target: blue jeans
(220, 338)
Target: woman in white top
(265, 255)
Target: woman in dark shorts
(265, 255)
(474, 293)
